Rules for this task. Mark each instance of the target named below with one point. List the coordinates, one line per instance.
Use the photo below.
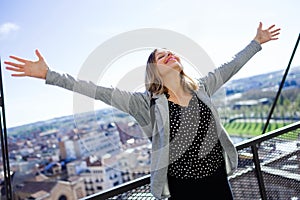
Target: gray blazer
(137, 104)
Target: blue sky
(66, 32)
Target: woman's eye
(160, 57)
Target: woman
(190, 147)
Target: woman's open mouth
(170, 58)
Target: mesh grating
(140, 193)
(279, 159)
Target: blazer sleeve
(136, 104)
(214, 80)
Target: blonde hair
(154, 82)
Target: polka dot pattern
(195, 151)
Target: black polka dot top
(195, 151)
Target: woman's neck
(173, 83)
(176, 91)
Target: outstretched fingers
(260, 26)
(17, 70)
(16, 67)
(272, 26)
(277, 30)
(22, 60)
(274, 34)
(19, 75)
(14, 64)
(39, 55)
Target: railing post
(259, 175)
(281, 86)
(4, 146)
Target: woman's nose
(170, 53)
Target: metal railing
(269, 168)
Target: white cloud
(7, 29)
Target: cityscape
(63, 158)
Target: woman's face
(167, 62)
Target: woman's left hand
(263, 36)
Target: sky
(66, 32)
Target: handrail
(260, 138)
(130, 185)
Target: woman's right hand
(36, 69)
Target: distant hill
(64, 122)
(264, 82)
